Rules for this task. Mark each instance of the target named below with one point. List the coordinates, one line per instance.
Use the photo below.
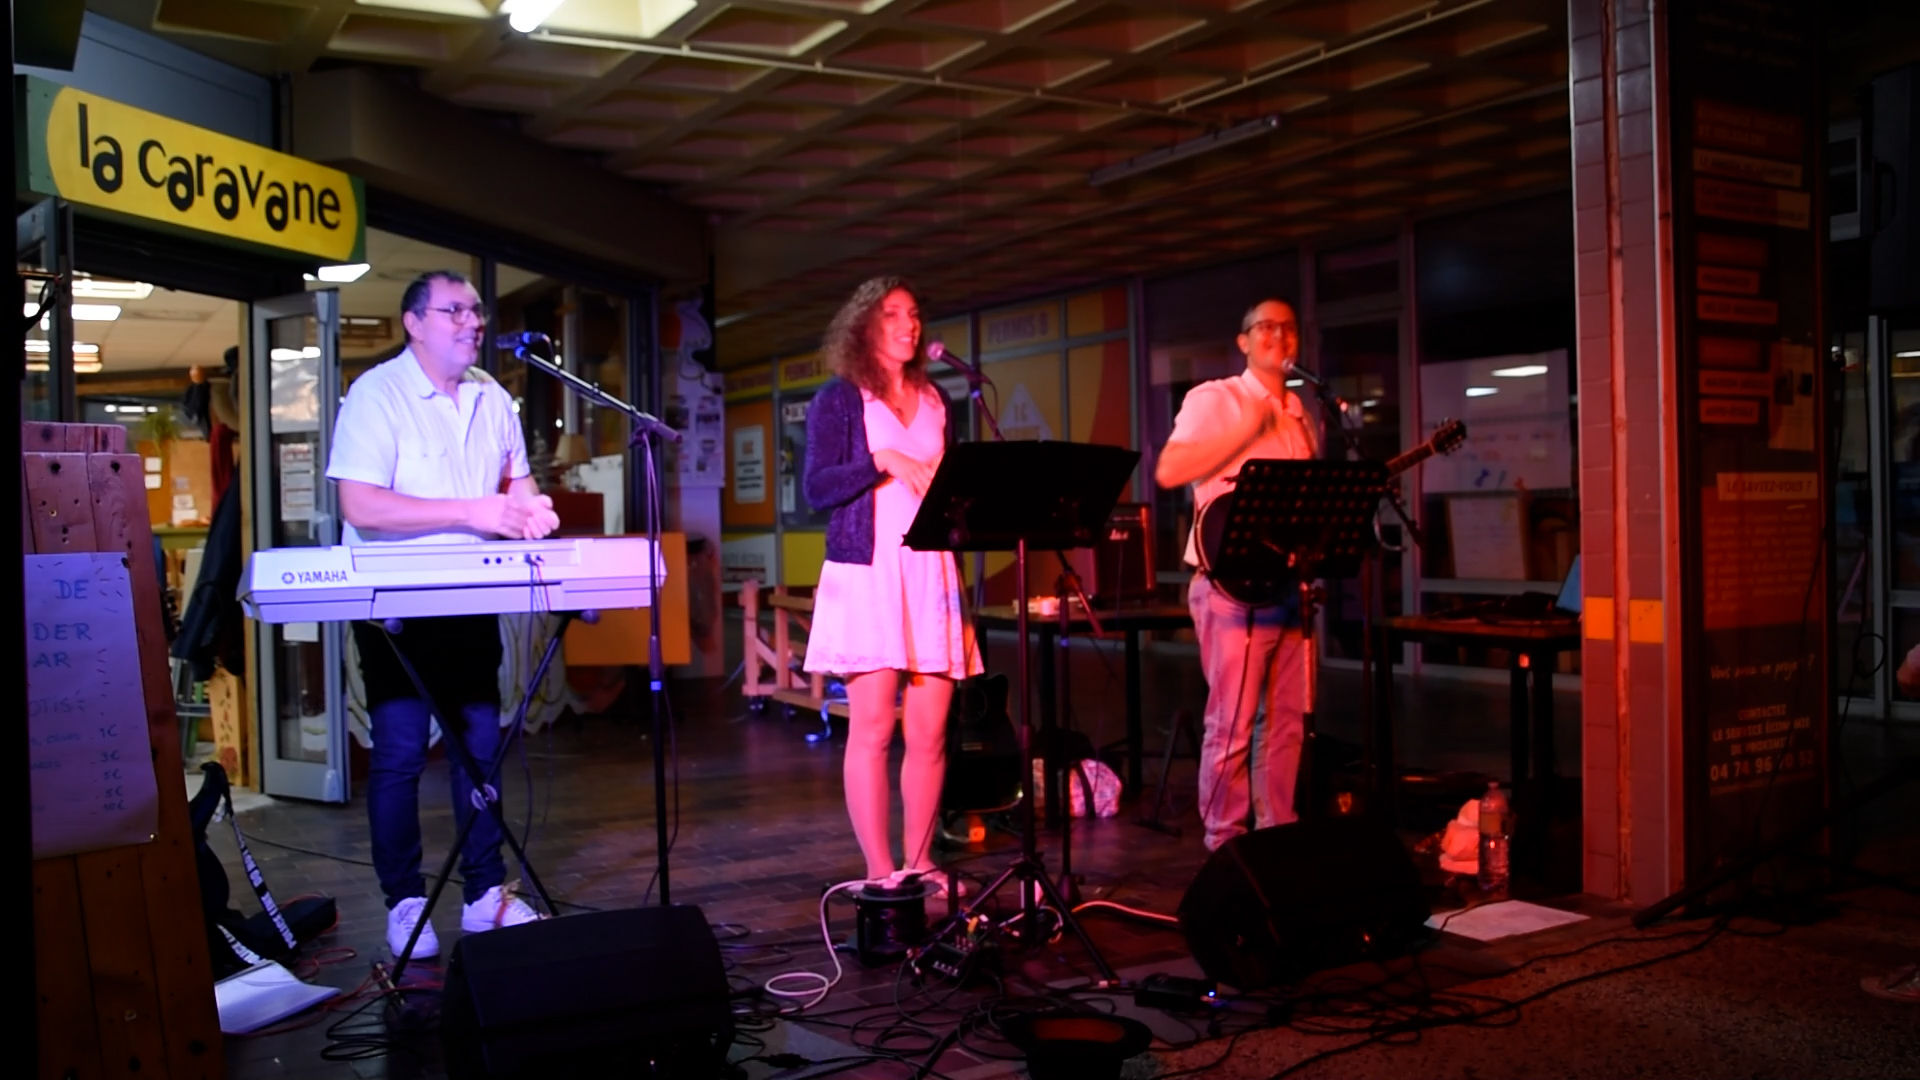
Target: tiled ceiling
(954, 141)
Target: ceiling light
(307, 353)
(1481, 391)
(341, 273)
(1296, 382)
(1521, 372)
(527, 15)
(1238, 133)
(39, 347)
(80, 312)
(1908, 354)
(111, 408)
(86, 288)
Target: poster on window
(1519, 433)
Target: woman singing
(875, 434)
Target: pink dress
(903, 611)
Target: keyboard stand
(457, 756)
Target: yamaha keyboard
(399, 581)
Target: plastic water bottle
(1496, 841)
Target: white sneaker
(497, 907)
(400, 923)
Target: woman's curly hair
(848, 347)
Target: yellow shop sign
(99, 153)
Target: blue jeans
(1249, 756)
(399, 756)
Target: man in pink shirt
(1249, 761)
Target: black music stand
(1293, 522)
(1015, 496)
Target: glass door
(43, 257)
(300, 699)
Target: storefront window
(578, 450)
(1903, 432)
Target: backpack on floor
(236, 941)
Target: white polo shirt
(1218, 407)
(396, 430)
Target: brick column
(1629, 711)
(1696, 176)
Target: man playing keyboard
(428, 449)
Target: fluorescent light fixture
(81, 312)
(341, 274)
(1481, 391)
(527, 15)
(1296, 382)
(80, 367)
(86, 288)
(1370, 403)
(307, 353)
(40, 347)
(1908, 355)
(1134, 166)
(1524, 371)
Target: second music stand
(1017, 496)
(1294, 522)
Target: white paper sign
(92, 766)
(750, 464)
(296, 481)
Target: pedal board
(955, 958)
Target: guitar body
(1211, 528)
(1210, 525)
(983, 751)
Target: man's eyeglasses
(1267, 328)
(462, 312)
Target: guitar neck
(1409, 459)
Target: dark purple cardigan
(840, 475)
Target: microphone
(938, 353)
(520, 340)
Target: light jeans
(1249, 761)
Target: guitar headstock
(1448, 436)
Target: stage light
(527, 15)
(1076, 1044)
(1522, 372)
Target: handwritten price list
(92, 766)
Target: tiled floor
(762, 831)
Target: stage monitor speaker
(1277, 904)
(1890, 191)
(639, 992)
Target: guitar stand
(1182, 723)
(484, 792)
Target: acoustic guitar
(1211, 524)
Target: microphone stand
(646, 429)
(1335, 409)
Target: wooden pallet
(124, 978)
